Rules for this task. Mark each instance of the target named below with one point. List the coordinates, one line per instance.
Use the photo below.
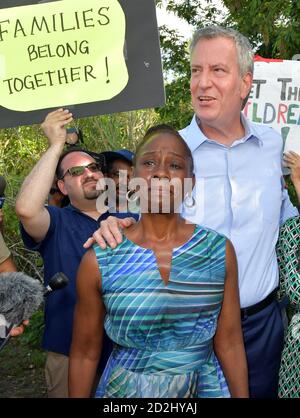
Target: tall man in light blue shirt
(239, 190)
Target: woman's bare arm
(88, 328)
(228, 341)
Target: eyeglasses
(79, 169)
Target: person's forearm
(36, 186)
(234, 365)
(82, 373)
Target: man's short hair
(243, 46)
(99, 158)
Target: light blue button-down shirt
(239, 193)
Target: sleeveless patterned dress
(163, 333)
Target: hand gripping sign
(76, 51)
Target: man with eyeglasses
(58, 235)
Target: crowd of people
(177, 300)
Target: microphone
(20, 297)
(2, 189)
(58, 281)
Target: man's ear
(246, 85)
(62, 187)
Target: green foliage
(195, 12)
(272, 26)
(119, 130)
(20, 148)
(174, 52)
(32, 334)
(178, 110)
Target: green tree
(115, 131)
(20, 148)
(273, 27)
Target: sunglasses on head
(79, 169)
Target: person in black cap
(119, 168)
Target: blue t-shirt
(62, 250)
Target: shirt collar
(195, 137)
(251, 131)
(74, 209)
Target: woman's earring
(189, 201)
(133, 199)
(131, 193)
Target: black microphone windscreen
(2, 186)
(20, 296)
(58, 281)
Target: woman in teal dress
(167, 296)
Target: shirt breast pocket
(271, 200)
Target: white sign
(275, 99)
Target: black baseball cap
(121, 154)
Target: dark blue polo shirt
(120, 215)
(62, 250)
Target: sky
(173, 22)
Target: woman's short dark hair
(163, 129)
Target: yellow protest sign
(61, 52)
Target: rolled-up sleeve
(287, 208)
(4, 251)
